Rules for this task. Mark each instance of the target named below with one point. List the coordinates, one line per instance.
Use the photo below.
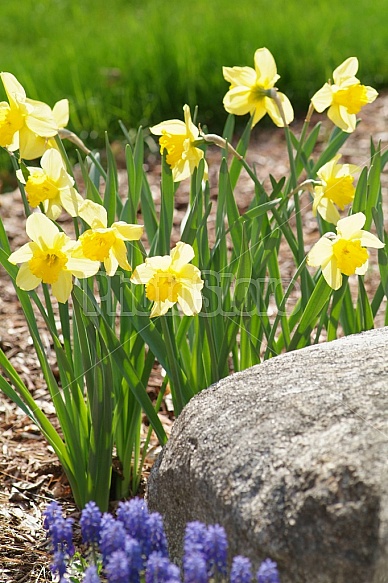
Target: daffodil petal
(237, 100)
(181, 255)
(191, 129)
(326, 171)
(369, 240)
(240, 76)
(20, 177)
(273, 110)
(25, 279)
(61, 113)
(41, 120)
(181, 171)
(371, 94)
(332, 274)
(93, 214)
(21, 255)
(143, 273)
(320, 253)
(119, 251)
(159, 262)
(127, 232)
(259, 112)
(265, 67)
(192, 274)
(190, 300)
(349, 226)
(347, 69)
(39, 227)
(71, 201)
(323, 98)
(363, 269)
(328, 211)
(52, 208)
(31, 146)
(81, 267)
(171, 126)
(341, 118)
(161, 308)
(12, 87)
(52, 164)
(62, 288)
(111, 264)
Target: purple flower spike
(160, 570)
(60, 531)
(194, 537)
(51, 513)
(59, 563)
(241, 571)
(91, 523)
(133, 514)
(158, 541)
(91, 575)
(135, 562)
(112, 537)
(195, 568)
(268, 572)
(117, 568)
(215, 550)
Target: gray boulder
(291, 457)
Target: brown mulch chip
(30, 474)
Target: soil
(30, 474)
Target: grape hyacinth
(160, 570)
(91, 575)
(112, 537)
(133, 514)
(216, 550)
(117, 569)
(60, 531)
(241, 571)
(158, 540)
(195, 568)
(133, 549)
(268, 572)
(90, 523)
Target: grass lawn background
(141, 60)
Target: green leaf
(316, 303)
(244, 271)
(111, 194)
(337, 139)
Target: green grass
(140, 61)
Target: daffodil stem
(16, 167)
(49, 307)
(293, 179)
(172, 358)
(64, 155)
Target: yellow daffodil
(345, 252)
(250, 90)
(171, 279)
(345, 97)
(48, 259)
(25, 124)
(178, 138)
(61, 117)
(52, 186)
(103, 243)
(335, 188)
